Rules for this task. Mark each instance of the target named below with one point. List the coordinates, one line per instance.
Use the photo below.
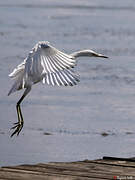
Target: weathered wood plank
(14, 175)
(86, 170)
(60, 172)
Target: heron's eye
(44, 46)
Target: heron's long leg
(19, 124)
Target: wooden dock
(106, 168)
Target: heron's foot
(18, 127)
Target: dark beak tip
(106, 57)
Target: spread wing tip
(61, 78)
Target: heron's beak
(99, 55)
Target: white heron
(49, 65)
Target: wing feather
(71, 81)
(53, 65)
(45, 70)
(72, 76)
(51, 82)
(62, 78)
(17, 70)
(61, 64)
(65, 59)
(48, 65)
(55, 79)
(56, 64)
(60, 60)
(52, 69)
(52, 79)
(47, 59)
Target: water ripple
(67, 6)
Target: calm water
(76, 117)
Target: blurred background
(96, 118)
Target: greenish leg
(19, 125)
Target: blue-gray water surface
(96, 118)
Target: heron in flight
(46, 64)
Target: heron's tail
(18, 76)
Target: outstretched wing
(45, 63)
(44, 59)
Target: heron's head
(92, 53)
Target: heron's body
(49, 65)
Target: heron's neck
(81, 53)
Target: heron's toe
(18, 127)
